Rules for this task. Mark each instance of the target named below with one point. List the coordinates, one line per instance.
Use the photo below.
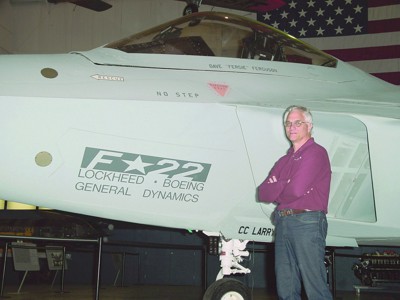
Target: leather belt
(290, 212)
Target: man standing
(299, 184)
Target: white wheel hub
(232, 296)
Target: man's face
(297, 134)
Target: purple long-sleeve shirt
(303, 179)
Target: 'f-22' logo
(131, 163)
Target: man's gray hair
(306, 112)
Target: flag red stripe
(389, 25)
(377, 3)
(392, 77)
(368, 53)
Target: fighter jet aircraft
(176, 126)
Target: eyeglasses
(296, 123)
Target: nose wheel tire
(227, 289)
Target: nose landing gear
(231, 253)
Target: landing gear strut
(231, 254)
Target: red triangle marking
(221, 89)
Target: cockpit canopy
(223, 35)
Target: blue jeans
(300, 254)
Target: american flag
(365, 33)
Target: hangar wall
(41, 27)
(35, 26)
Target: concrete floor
(45, 292)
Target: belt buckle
(286, 212)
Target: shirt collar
(309, 142)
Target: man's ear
(310, 127)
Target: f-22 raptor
(176, 126)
